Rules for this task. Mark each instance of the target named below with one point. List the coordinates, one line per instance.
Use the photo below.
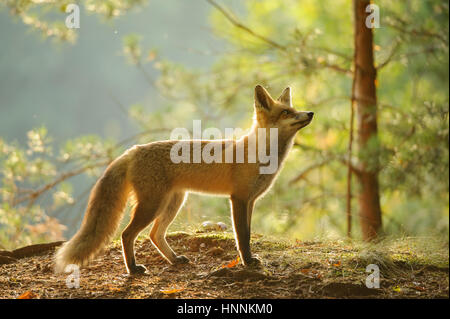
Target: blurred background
(71, 100)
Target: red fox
(160, 186)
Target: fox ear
(263, 100)
(286, 97)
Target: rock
(222, 226)
(208, 226)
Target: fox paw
(137, 270)
(181, 260)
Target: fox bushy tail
(102, 218)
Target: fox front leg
(241, 215)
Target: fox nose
(310, 114)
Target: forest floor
(290, 269)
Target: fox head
(279, 113)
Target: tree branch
(390, 56)
(306, 171)
(230, 17)
(338, 68)
(302, 175)
(415, 32)
(31, 197)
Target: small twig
(390, 56)
(330, 51)
(306, 171)
(303, 174)
(230, 17)
(416, 32)
(338, 68)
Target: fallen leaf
(417, 286)
(305, 271)
(338, 264)
(27, 295)
(232, 263)
(171, 291)
(311, 272)
(397, 289)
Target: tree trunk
(366, 111)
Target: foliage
(35, 184)
(307, 45)
(47, 16)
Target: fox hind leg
(159, 228)
(144, 213)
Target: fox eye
(285, 112)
